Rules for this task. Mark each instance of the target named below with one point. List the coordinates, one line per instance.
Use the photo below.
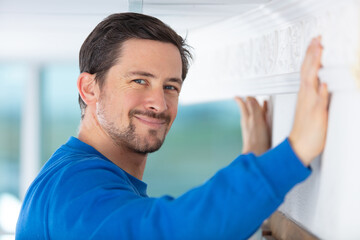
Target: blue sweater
(80, 194)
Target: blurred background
(39, 44)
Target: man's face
(138, 101)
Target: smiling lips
(152, 122)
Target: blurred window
(12, 82)
(204, 138)
(60, 109)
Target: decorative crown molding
(261, 52)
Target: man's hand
(308, 134)
(255, 129)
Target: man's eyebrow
(176, 80)
(147, 74)
(141, 73)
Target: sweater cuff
(282, 168)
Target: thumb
(324, 94)
(265, 108)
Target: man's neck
(92, 134)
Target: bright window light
(9, 212)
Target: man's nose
(156, 101)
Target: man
(132, 70)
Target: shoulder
(67, 175)
(86, 170)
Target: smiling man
(132, 70)
(131, 113)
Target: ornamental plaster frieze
(247, 61)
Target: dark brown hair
(102, 47)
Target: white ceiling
(42, 30)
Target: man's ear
(88, 89)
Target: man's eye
(140, 81)
(170, 88)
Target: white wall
(327, 204)
(261, 53)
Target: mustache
(162, 116)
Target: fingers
(312, 63)
(243, 108)
(253, 106)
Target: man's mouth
(152, 122)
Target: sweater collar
(78, 145)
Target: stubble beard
(128, 137)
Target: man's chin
(146, 146)
(146, 149)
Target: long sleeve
(94, 202)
